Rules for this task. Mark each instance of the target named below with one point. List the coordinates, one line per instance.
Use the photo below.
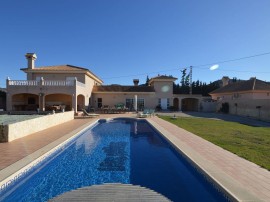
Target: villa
(152, 153)
(72, 88)
(245, 98)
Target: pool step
(112, 192)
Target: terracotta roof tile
(119, 88)
(249, 85)
(58, 68)
(163, 77)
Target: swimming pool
(121, 150)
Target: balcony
(44, 86)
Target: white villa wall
(163, 89)
(206, 106)
(112, 99)
(261, 95)
(58, 76)
(21, 129)
(249, 108)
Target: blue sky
(120, 40)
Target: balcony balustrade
(44, 83)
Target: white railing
(44, 83)
(57, 83)
(23, 83)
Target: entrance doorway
(190, 104)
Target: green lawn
(251, 143)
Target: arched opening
(80, 102)
(25, 102)
(190, 104)
(176, 103)
(58, 102)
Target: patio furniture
(152, 112)
(120, 107)
(105, 108)
(143, 114)
(85, 113)
(146, 113)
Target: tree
(183, 78)
(147, 81)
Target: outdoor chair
(152, 112)
(105, 108)
(85, 113)
(120, 107)
(143, 114)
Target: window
(130, 103)
(168, 103)
(99, 102)
(159, 102)
(140, 104)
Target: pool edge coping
(223, 181)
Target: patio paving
(243, 179)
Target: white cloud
(214, 67)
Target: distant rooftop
(163, 77)
(250, 85)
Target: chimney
(31, 57)
(225, 81)
(136, 82)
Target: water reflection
(141, 129)
(88, 141)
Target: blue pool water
(117, 151)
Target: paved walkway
(246, 181)
(243, 179)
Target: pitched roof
(249, 85)
(163, 77)
(119, 88)
(57, 68)
(61, 68)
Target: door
(163, 103)
(99, 103)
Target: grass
(251, 143)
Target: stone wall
(258, 109)
(17, 130)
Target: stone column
(43, 102)
(180, 104)
(40, 101)
(74, 103)
(9, 97)
(135, 103)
